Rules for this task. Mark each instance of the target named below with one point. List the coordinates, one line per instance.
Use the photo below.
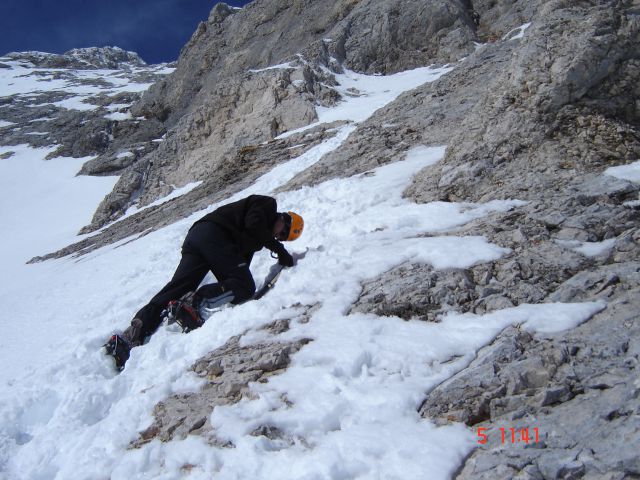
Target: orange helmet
(294, 224)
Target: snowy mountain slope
(49, 106)
(108, 58)
(351, 394)
(353, 390)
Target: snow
(588, 249)
(22, 80)
(520, 32)
(282, 66)
(75, 103)
(164, 70)
(349, 400)
(629, 172)
(118, 116)
(374, 92)
(50, 198)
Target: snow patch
(281, 66)
(376, 92)
(75, 103)
(588, 249)
(118, 116)
(630, 172)
(177, 192)
(517, 32)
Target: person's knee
(211, 290)
(212, 296)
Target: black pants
(207, 247)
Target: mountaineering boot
(119, 349)
(183, 313)
(133, 334)
(119, 346)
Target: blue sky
(155, 29)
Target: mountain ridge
(81, 58)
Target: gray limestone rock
(227, 372)
(373, 35)
(575, 388)
(386, 37)
(508, 116)
(222, 97)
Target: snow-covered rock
(110, 58)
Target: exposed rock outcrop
(574, 389)
(228, 371)
(550, 122)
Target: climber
(222, 242)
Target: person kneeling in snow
(222, 242)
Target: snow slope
(352, 393)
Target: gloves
(285, 259)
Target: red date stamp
(511, 435)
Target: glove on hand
(285, 259)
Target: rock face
(545, 100)
(221, 98)
(370, 36)
(574, 388)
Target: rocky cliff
(224, 98)
(543, 99)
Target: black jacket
(250, 223)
